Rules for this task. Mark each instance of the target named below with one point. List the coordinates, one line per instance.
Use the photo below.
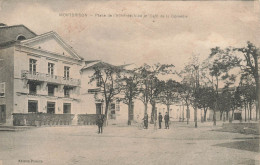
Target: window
(66, 72)
(32, 66)
(67, 91)
(32, 106)
(67, 108)
(51, 89)
(117, 105)
(20, 38)
(32, 88)
(2, 89)
(112, 106)
(2, 114)
(98, 80)
(51, 107)
(51, 69)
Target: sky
(199, 26)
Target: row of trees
(227, 80)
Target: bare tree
(108, 79)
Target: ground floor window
(2, 114)
(32, 106)
(50, 107)
(67, 108)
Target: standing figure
(145, 121)
(99, 122)
(160, 120)
(166, 119)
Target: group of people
(160, 118)
(101, 118)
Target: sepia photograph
(129, 82)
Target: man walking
(160, 120)
(166, 119)
(100, 121)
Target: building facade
(39, 74)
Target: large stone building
(38, 73)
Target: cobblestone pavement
(121, 144)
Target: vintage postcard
(129, 82)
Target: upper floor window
(66, 72)
(98, 82)
(51, 69)
(2, 89)
(20, 38)
(32, 65)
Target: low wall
(87, 119)
(39, 119)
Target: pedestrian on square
(145, 121)
(166, 119)
(160, 120)
(99, 122)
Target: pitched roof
(10, 33)
(58, 38)
(101, 65)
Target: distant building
(94, 100)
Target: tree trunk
(205, 115)
(183, 114)
(168, 109)
(227, 115)
(130, 112)
(232, 116)
(106, 112)
(257, 103)
(201, 116)
(187, 114)
(106, 109)
(153, 113)
(245, 112)
(248, 111)
(145, 108)
(214, 118)
(250, 108)
(195, 117)
(221, 113)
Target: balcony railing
(50, 78)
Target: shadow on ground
(248, 145)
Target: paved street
(118, 145)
